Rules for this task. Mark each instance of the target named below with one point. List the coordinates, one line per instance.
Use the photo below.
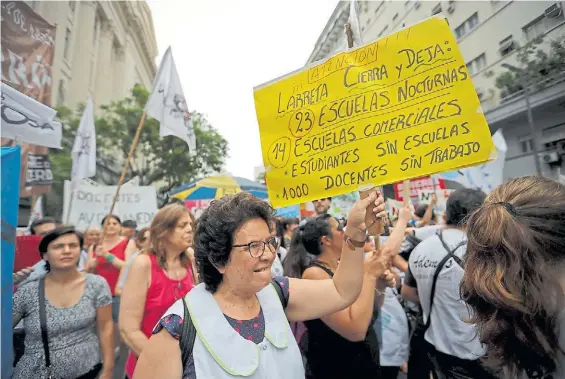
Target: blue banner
(10, 193)
(290, 211)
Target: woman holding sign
(345, 339)
(240, 313)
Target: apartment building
(490, 34)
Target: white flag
(84, 148)
(27, 120)
(355, 24)
(36, 212)
(167, 104)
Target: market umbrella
(216, 186)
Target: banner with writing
(393, 208)
(420, 184)
(91, 203)
(196, 207)
(28, 49)
(425, 197)
(401, 107)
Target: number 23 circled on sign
(398, 108)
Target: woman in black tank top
(344, 344)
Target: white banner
(91, 203)
(425, 197)
(27, 120)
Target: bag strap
(43, 324)
(450, 254)
(319, 265)
(280, 293)
(187, 336)
(188, 331)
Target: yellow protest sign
(401, 107)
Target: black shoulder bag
(450, 254)
(188, 331)
(43, 324)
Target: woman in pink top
(156, 280)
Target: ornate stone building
(103, 48)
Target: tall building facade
(103, 49)
(490, 35)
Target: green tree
(165, 161)
(538, 65)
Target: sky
(222, 49)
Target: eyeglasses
(257, 248)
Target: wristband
(380, 293)
(110, 257)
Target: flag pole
(66, 221)
(406, 192)
(124, 172)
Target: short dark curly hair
(216, 230)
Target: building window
(436, 10)
(467, 26)
(67, 44)
(395, 17)
(368, 21)
(383, 31)
(506, 46)
(407, 3)
(96, 33)
(543, 24)
(526, 144)
(72, 5)
(61, 93)
(477, 64)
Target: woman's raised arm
(311, 299)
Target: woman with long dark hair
(515, 277)
(342, 344)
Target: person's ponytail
(305, 246)
(513, 241)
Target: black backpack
(188, 331)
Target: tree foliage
(163, 162)
(538, 65)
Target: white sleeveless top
(221, 353)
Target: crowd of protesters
(476, 292)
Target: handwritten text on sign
(398, 108)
